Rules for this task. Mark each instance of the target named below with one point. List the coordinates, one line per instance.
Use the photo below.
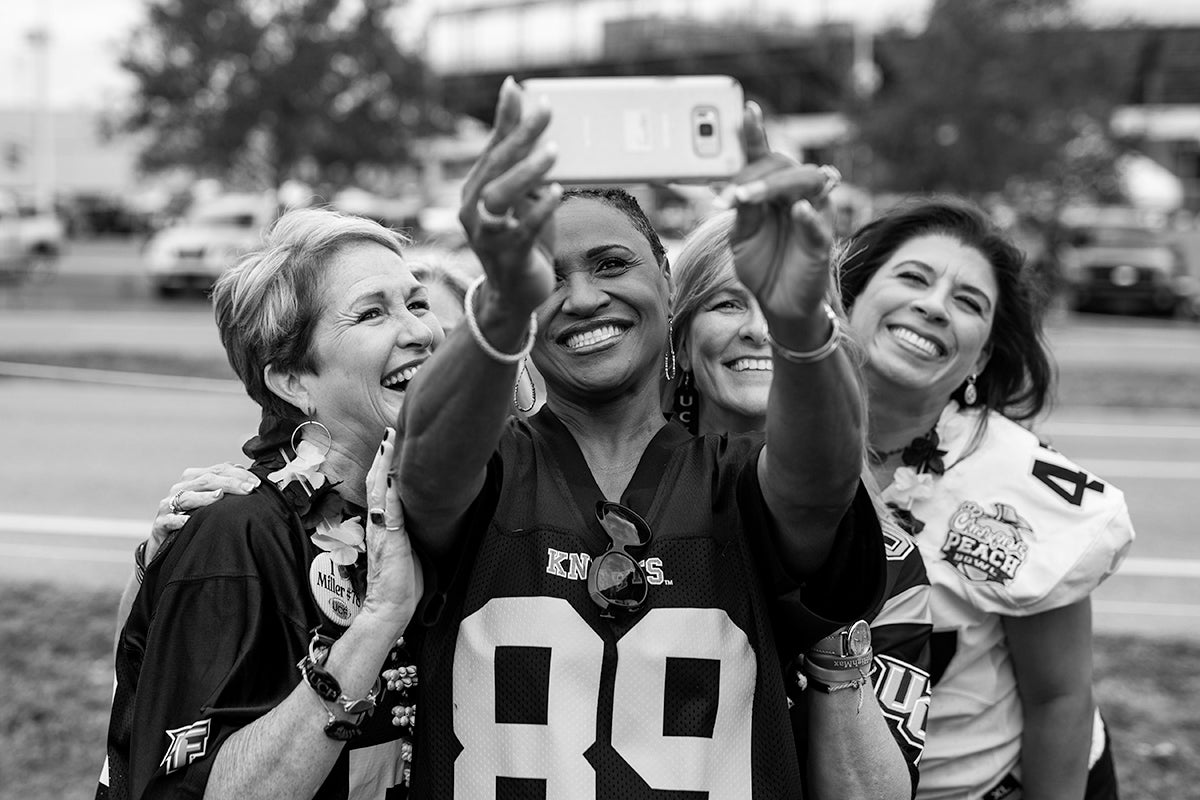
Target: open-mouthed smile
(750, 365)
(916, 341)
(595, 336)
(397, 380)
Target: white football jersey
(1013, 529)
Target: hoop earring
(299, 432)
(669, 356)
(524, 370)
(969, 394)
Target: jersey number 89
(554, 752)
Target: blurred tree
(994, 95)
(275, 89)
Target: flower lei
(322, 510)
(922, 460)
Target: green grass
(56, 657)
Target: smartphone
(678, 129)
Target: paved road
(77, 517)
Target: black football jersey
(528, 691)
(225, 612)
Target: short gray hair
(267, 305)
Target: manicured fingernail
(755, 109)
(753, 192)
(725, 198)
(806, 208)
(248, 486)
(376, 517)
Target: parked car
(42, 231)
(193, 253)
(15, 260)
(1117, 259)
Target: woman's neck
(345, 467)
(893, 425)
(612, 436)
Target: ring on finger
(396, 528)
(505, 221)
(174, 505)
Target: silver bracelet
(812, 356)
(484, 345)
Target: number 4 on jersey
(1069, 484)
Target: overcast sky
(85, 37)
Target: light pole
(44, 179)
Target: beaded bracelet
(477, 334)
(812, 356)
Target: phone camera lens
(706, 129)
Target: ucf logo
(987, 547)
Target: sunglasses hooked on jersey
(616, 581)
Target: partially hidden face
(604, 329)
(374, 331)
(445, 304)
(725, 348)
(925, 317)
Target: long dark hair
(1019, 376)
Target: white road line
(1121, 431)
(1115, 469)
(1160, 568)
(51, 553)
(1148, 609)
(43, 524)
(138, 529)
(118, 378)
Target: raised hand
(394, 579)
(781, 243)
(507, 211)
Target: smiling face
(603, 331)
(925, 318)
(374, 330)
(725, 348)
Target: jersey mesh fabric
(614, 728)
(222, 617)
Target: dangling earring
(686, 404)
(969, 394)
(305, 466)
(669, 356)
(524, 370)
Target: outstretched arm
(809, 469)
(1052, 658)
(458, 403)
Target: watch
(846, 648)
